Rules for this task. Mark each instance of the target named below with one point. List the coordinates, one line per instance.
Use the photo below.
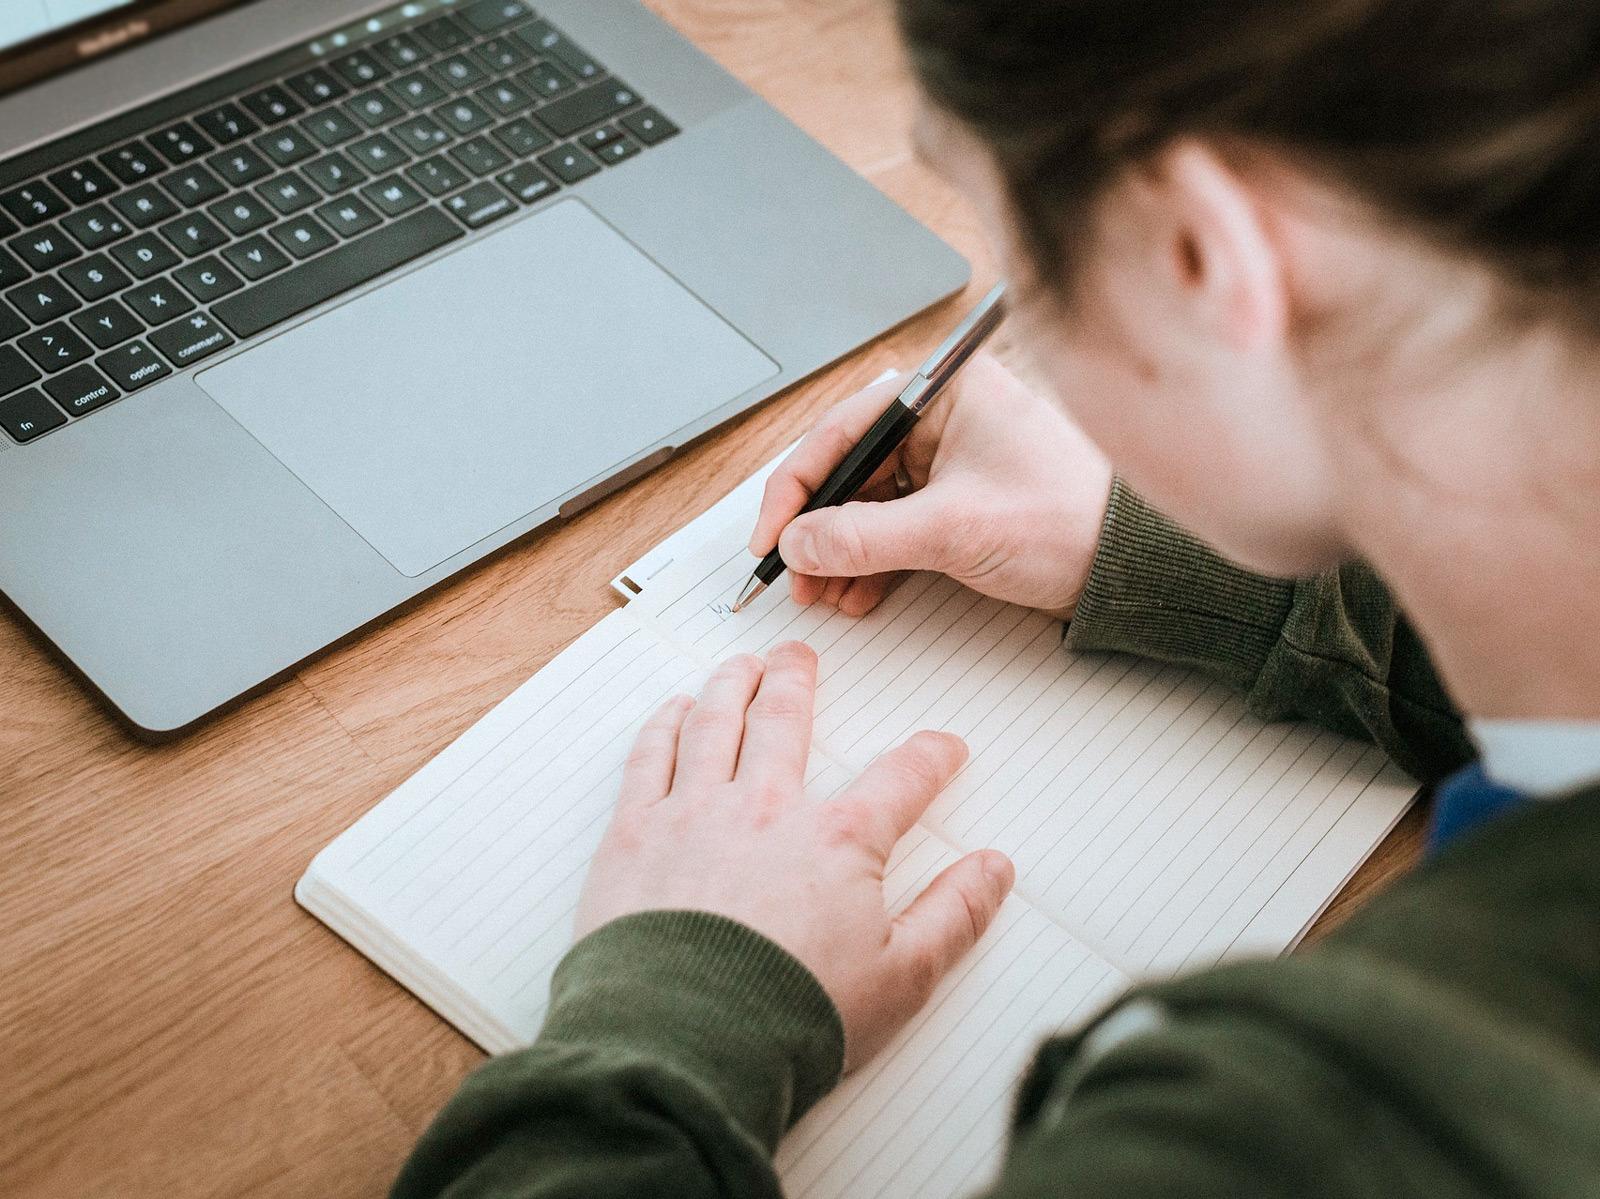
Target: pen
(873, 450)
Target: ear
(1222, 257)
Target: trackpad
(452, 402)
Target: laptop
(306, 305)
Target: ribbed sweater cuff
(718, 1001)
(1156, 591)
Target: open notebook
(1155, 824)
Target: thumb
(866, 538)
(946, 920)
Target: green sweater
(1444, 1042)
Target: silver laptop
(306, 305)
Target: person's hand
(712, 818)
(1007, 497)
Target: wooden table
(171, 1024)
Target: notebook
(1156, 826)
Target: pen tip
(751, 589)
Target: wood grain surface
(171, 1024)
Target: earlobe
(1224, 257)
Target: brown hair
(1476, 120)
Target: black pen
(873, 450)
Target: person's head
(1252, 238)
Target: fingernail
(798, 546)
(998, 869)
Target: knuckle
(924, 968)
(840, 824)
(848, 545)
(787, 704)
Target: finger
(802, 472)
(647, 774)
(897, 787)
(949, 917)
(832, 590)
(865, 594)
(861, 538)
(805, 589)
(777, 728)
(708, 745)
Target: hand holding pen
(998, 489)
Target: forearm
(679, 1047)
(1334, 648)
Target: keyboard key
(192, 185)
(348, 216)
(286, 146)
(255, 258)
(545, 40)
(374, 108)
(145, 205)
(7, 225)
(29, 414)
(545, 80)
(377, 153)
(133, 366)
(333, 173)
(619, 150)
(480, 204)
(589, 106)
(486, 16)
(81, 389)
(501, 54)
(416, 91)
(55, 347)
(95, 278)
(107, 324)
(15, 370)
(288, 193)
(402, 51)
(32, 203)
(272, 104)
(226, 123)
(331, 127)
(316, 86)
(133, 163)
(45, 247)
(207, 279)
(359, 69)
(436, 175)
(527, 182)
(522, 137)
(144, 255)
(194, 337)
(443, 34)
(84, 183)
(157, 301)
(180, 144)
(649, 126)
(456, 72)
(241, 214)
(479, 156)
(301, 236)
(43, 300)
(504, 98)
(569, 163)
(420, 135)
(464, 116)
(597, 139)
(352, 264)
(194, 234)
(93, 227)
(392, 195)
(12, 270)
(10, 323)
(240, 166)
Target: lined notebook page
(463, 883)
(1146, 810)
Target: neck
(1478, 499)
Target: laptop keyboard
(284, 184)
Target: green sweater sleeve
(678, 1048)
(1333, 649)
